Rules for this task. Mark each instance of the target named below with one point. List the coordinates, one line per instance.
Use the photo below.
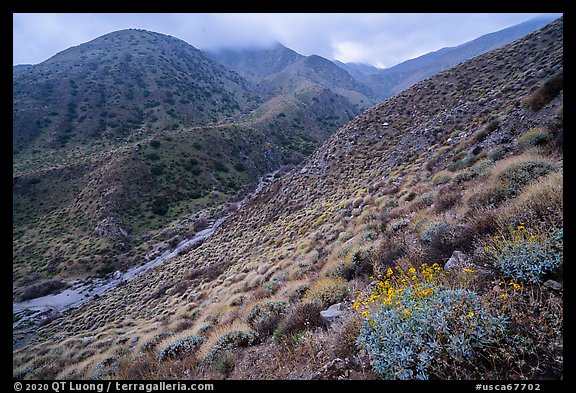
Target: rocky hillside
(438, 212)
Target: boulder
(459, 261)
(553, 285)
(331, 313)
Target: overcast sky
(382, 40)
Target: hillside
(413, 217)
(389, 81)
(256, 64)
(280, 71)
(135, 140)
(126, 80)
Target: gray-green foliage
(182, 347)
(409, 344)
(231, 341)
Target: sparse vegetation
(352, 225)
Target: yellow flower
(471, 314)
(413, 278)
(389, 272)
(468, 271)
(515, 285)
(520, 227)
(503, 296)
(365, 313)
(411, 270)
(406, 312)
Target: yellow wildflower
(406, 312)
(520, 227)
(503, 296)
(471, 314)
(411, 270)
(515, 285)
(389, 272)
(468, 271)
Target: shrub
(511, 175)
(155, 144)
(351, 261)
(413, 322)
(160, 206)
(42, 289)
(441, 177)
(397, 224)
(433, 230)
(301, 317)
(182, 347)
(327, 291)
(446, 198)
(528, 254)
(546, 93)
(265, 316)
(230, 341)
(533, 138)
(541, 201)
(220, 167)
(157, 170)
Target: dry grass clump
(508, 177)
(327, 291)
(540, 202)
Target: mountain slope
(115, 84)
(256, 64)
(409, 181)
(392, 80)
(135, 131)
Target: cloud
(378, 39)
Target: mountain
(390, 81)
(21, 67)
(279, 71)
(133, 137)
(421, 215)
(357, 70)
(122, 81)
(256, 64)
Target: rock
(553, 285)
(459, 261)
(110, 227)
(331, 313)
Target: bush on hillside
(533, 138)
(327, 291)
(184, 346)
(546, 93)
(265, 316)
(414, 323)
(528, 254)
